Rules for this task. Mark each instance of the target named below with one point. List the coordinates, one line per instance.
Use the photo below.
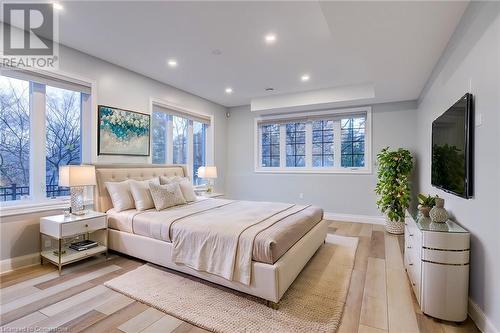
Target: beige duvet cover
(222, 236)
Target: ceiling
(390, 45)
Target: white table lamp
(76, 177)
(208, 173)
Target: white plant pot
(394, 227)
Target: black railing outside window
(14, 192)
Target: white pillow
(185, 184)
(187, 190)
(165, 196)
(120, 195)
(141, 194)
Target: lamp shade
(77, 175)
(207, 172)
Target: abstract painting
(122, 132)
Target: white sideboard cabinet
(437, 262)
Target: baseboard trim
(355, 218)
(480, 319)
(11, 264)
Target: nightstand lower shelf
(72, 255)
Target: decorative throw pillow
(185, 184)
(165, 180)
(120, 195)
(165, 196)
(142, 195)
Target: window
(316, 142)
(322, 140)
(63, 136)
(296, 145)
(199, 150)
(181, 139)
(180, 127)
(159, 133)
(353, 142)
(271, 145)
(39, 113)
(14, 139)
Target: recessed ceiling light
(57, 6)
(270, 89)
(305, 78)
(172, 62)
(270, 38)
(229, 90)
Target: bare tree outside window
(62, 111)
(271, 145)
(296, 144)
(159, 142)
(353, 142)
(323, 143)
(63, 135)
(180, 129)
(14, 139)
(199, 150)
(179, 138)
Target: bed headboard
(121, 172)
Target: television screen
(452, 149)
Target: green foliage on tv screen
(448, 168)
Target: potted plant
(425, 203)
(393, 187)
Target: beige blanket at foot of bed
(220, 240)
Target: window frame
(187, 113)
(307, 117)
(38, 80)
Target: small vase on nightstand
(438, 214)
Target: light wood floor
(379, 298)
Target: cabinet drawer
(446, 257)
(80, 227)
(415, 282)
(446, 240)
(412, 231)
(410, 224)
(413, 242)
(413, 268)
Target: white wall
(471, 62)
(393, 125)
(119, 87)
(116, 86)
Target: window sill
(29, 207)
(354, 171)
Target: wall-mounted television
(452, 149)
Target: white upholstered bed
(269, 277)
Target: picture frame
(122, 132)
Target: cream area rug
(313, 303)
